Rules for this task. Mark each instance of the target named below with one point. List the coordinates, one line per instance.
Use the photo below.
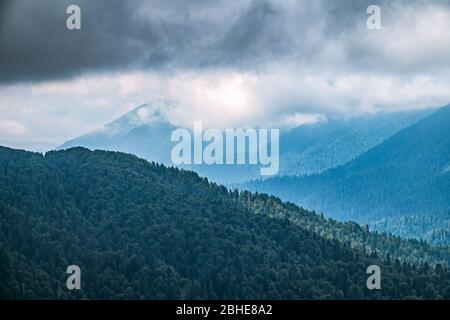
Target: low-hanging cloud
(58, 110)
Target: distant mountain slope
(143, 131)
(405, 177)
(35, 146)
(314, 148)
(140, 230)
(310, 148)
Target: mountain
(146, 133)
(309, 148)
(314, 148)
(401, 185)
(143, 131)
(140, 230)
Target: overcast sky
(228, 63)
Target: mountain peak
(149, 113)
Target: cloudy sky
(228, 63)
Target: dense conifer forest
(140, 230)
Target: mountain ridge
(141, 230)
(309, 148)
(404, 174)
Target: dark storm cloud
(115, 35)
(250, 32)
(170, 35)
(36, 44)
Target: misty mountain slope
(141, 230)
(314, 148)
(34, 146)
(405, 176)
(146, 133)
(306, 149)
(143, 131)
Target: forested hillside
(384, 244)
(141, 230)
(314, 148)
(401, 185)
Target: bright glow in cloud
(219, 99)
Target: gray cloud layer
(171, 35)
(227, 63)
